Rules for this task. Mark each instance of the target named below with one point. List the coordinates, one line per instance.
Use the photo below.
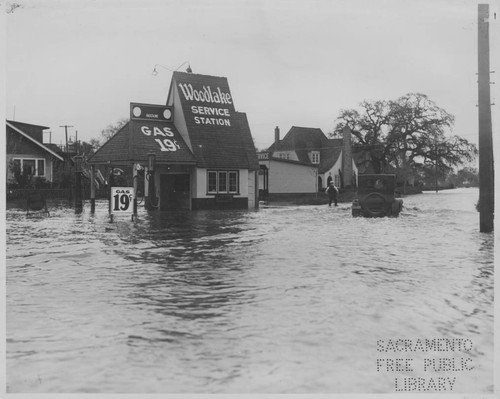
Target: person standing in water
(332, 192)
(329, 180)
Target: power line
(66, 131)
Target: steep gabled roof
(253, 161)
(136, 139)
(292, 161)
(329, 154)
(303, 140)
(115, 149)
(220, 137)
(32, 130)
(11, 125)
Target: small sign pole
(92, 188)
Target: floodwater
(292, 299)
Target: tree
(368, 129)
(11, 7)
(108, 132)
(405, 135)
(467, 176)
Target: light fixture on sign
(188, 70)
(167, 114)
(137, 112)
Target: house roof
(253, 161)
(54, 147)
(220, 137)
(136, 139)
(18, 129)
(293, 161)
(28, 127)
(303, 140)
(330, 154)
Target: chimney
(347, 157)
(276, 135)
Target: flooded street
(280, 300)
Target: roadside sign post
(122, 201)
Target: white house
(304, 161)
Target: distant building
(304, 161)
(26, 150)
(199, 147)
(363, 161)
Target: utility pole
(486, 182)
(436, 175)
(436, 165)
(66, 130)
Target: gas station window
(233, 182)
(222, 182)
(212, 182)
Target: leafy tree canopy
(405, 135)
(111, 130)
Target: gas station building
(196, 151)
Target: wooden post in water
(146, 187)
(134, 180)
(78, 184)
(111, 184)
(92, 188)
(486, 182)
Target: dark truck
(375, 196)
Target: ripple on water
(287, 299)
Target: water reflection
(280, 300)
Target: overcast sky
(288, 63)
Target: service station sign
(150, 112)
(163, 136)
(208, 103)
(153, 123)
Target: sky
(288, 63)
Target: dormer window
(315, 157)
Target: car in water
(376, 196)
